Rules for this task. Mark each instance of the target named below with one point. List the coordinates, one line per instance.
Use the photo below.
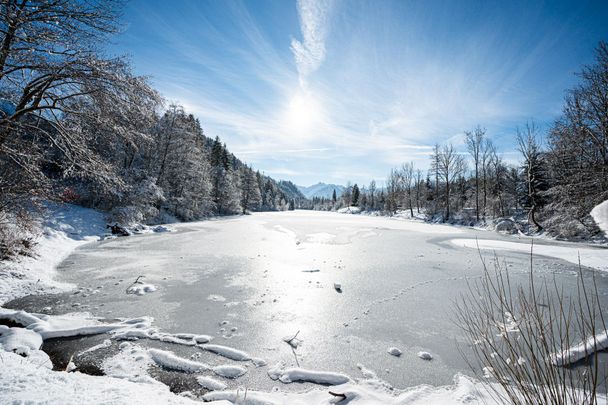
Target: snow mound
(296, 374)
(394, 351)
(425, 355)
(349, 210)
(211, 383)
(228, 352)
(600, 215)
(141, 289)
(19, 340)
(170, 361)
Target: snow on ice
(596, 258)
(295, 374)
(394, 351)
(580, 351)
(211, 383)
(141, 289)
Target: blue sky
(319, 90)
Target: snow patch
(170, 361)
(141, 289)
(596, 258)
(349, 210)
(394, 351)
(425, 355)
(227, 352)
(297, 374)
(580, 351)
(211, 383)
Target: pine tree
(356, 195)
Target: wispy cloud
(374, 83)
(310, 52)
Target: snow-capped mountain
(321, 190)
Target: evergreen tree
(356, 195)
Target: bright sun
(303, 112)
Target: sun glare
(302, 113)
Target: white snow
(227, 352)
(211, 383)
(23, 381)
(425, 355)
(67, 227)
(295, 374)
(349, 210)
(141, 289)
(580, 351)
(131, 363)
(465, 390)
(394, 351)
(170, 361)
(19, 340)
(74, 324)
(600, 215)
(321, 237)
(596, 258)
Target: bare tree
(475, 140)
(419, 181)
(372, 190)
(450, 165)
(407, 177)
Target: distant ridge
(321, 190)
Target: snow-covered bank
(66, 227)
(596, 258)
(600, 215)
(24, 381)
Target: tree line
(563, 172)
(79, 126)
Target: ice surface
(229, 371)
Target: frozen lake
(252, 280)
